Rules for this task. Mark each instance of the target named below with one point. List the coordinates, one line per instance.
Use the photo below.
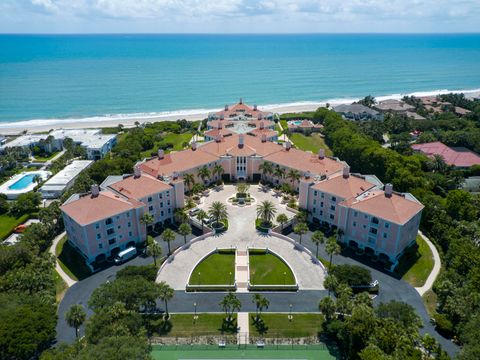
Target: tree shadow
(229, 326)
(259, 324)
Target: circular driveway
(242, 234)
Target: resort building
(240, 112)
(106, 221)
(459, 157)
(55, 186)
(95, 143)
(358, 112)
(371, 217)
(392, 105)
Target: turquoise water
(23, 182)
(76, 76)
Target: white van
(125, 255)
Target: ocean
(72, 77)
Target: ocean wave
(103, 120)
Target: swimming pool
(295, 122)
(24, 182)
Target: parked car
(194, 211)
(125, 255)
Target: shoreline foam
(128, 120)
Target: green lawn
(269, 269)
(176, 139)
(46, 158)
(312, 143)
(284, 124)
(216, 269)
(71, 261)
(278, 325)
(9, 223)
(183, 325)
(311, 352)
(416, 270)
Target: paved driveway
(242, 234)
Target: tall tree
(204, 173)
(230, 304)
(218, 170)
(266, 211)
(318, 238)
(189, 180)
(282, 219)
(165, 293)
(293, 175)
(154, 249)
(202, 216)
(184, 230)
(75, 317)
(332, 248)
(168, 235)
(218, 211)
(266, 168)
(327, 307)
(261, 302)
(300, 229)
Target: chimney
(241, 101)
(95, 190)
(288, 145)
(321, 154)
(218, 138)
(222, 117)
(240, 140)
(388, 190)
(260, 116)
(226, 107)
(161, 154)
(307, 175)
(255, 107)
(194, 145)
(264, 138)
(175, 175)
(220, 125)
(262, 125)
(346, 172)
(136, 172)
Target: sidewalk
(243, 335)
(437, 265)
(68, 280)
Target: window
(366, 216)
(332, 207)
(119, 227)
(354, 224)
(332, 216)
(168, 202)
(112, 241)
(110, 231)
(314, 210)
(321, 212)
(385, 235)
(334, 198)
(108, 221)
(321, 204)
(160, 196)
(150, 199)
(322, 195)
(374, 220)
(355, 214)
(99, 236)
(169, 210)
(387, 225)
(373, 231)
(130, 233)
(97, 226)
(129, 224)
(100, 246)
(128, 215)
(118, 217)
(150, 208)
(314, 202)
(161, 213)
(315, 193)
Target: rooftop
(139, 187)
(393, 105)
(344, 187)
(459, 157)
(70, 172)
(355, 109)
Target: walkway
(241, 270)
(242, 234)
(284, 137)
(437, 265)
(243, 335)
(68, 280)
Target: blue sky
(238, 16)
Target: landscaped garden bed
(215, 272)
(269, 272)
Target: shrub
(443, 325)
(353, 275)
(148, 272)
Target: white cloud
(216, 15)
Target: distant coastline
(128, 120)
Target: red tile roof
(89, 209)
(344, 187)
(218, 132)
(139, 187)
(459, 157)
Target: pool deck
(13, 194)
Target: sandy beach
(42, 125)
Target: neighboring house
(304, 126)
(357, 112)
(379, 222)
(240, 112)
(459, 157)
(96, 144)
(55, 186)
(392, 105)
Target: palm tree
(332, 248)
(266, 211)
(279, 172)
(184, 230)
(217, 170)
(261, 302)
(154, 250)
(293, 175)
(300, 229)
(197, 188)
(168, 235)
(327, 306)
(180, 215)
(438, 163)
(165, 293)
(229, 304)
(318, 238)
(282, 219)
(189, 180)
(330, 283)
(266, 168)
(204, 173)
(75, 317)
(242, 188)
(202, 216)
(218, 211)
(147, 219)
(37, 179)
